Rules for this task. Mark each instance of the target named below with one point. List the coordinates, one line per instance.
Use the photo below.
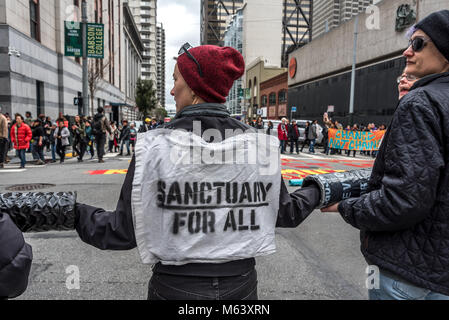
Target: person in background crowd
(52, 141)
(405, 82)
(28, 119)
(153, 124)
(146, 126)
(21, 136)
(259, 123)
(47, 129)
(111, 137)
(89, 138)
(312, 135)
(283, 134)
(306, 135)
(62, 140)
(327, 124)
(355, 127)
(269, 127)
(124, 138)
(3, 138)
(132, 136)
(293, 136)
(100, 126)
(79, 137)
(38, 142)
(403, 218)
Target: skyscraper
(328, 14)
(215, 15)
(160, 54)
(145, 15)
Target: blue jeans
(172, 287)
(38, 152)
(393, 287)
(127, 146)
(312, 145)
(53, 151)
(22, 155)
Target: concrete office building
(215, 15)
(160, 54)
(329, 14)
(323, 76)
(233, 38)
(145, 16)
(36, 76)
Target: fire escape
(213, 16)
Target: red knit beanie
(220, 66)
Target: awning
(120, 104)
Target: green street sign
(73, 40)
(248, 94)
(95, 40)
(241, 93)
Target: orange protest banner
(355, 140)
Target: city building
(215, 15)
(145, 15)
(35, 75)
(273, 97)
(233, 38)
(256, 73)
(160, 54)
(329, 14)
(323, 76)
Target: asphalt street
(320, 259)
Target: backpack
(97, 127)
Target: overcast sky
(181, 20)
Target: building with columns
(35, 75)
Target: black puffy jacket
(115, 230)
(404, 219)
(15, 259)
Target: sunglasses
(409, 77)
(418, 43)
(185, 49)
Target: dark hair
(100, 110)
(18, 115)
(26, 113)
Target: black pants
(100, 140)
(79, 146)
(3, 149)
(304, 143)
(60, 150)
(171, 287)
(294, 141)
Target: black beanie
(436, 26)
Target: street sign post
(291, 112)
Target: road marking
(101, 172)
(7, 170)
(289, 174)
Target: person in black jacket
(15, 259)
(293, 136)
(404, 218)
(199, 95)
(125, 137)
(38, 142)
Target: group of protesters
(84, 134)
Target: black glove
(338, 186)
(37, 212)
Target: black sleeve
(109, 230)
(295, 207)
(15, 259)
(413, 162)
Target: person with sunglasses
(404, 217)
(405, 82)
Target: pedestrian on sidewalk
(52, 140)
(132, 136)
(3, 138)
(38, 142)
(79, 137)
(283, 134)
(111, 137)
(21, 136)
(312, 135)
(89, 138)
(306, 135)
(404, 218)
(61, 135)
(125, 137)
(293, 135)
(100, 126)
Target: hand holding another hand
(332, 208)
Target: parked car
(302, 127)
